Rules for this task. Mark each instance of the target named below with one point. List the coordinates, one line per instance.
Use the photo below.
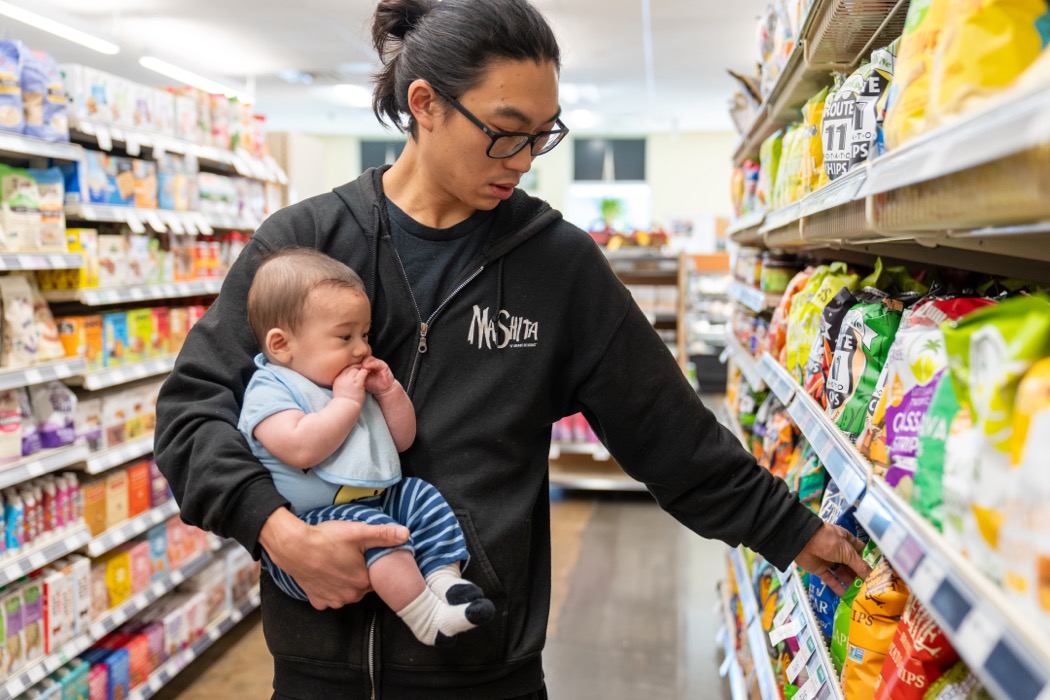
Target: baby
(329, 420)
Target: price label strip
(791, 629)
(806, 650)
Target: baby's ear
(278, 346)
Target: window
(377, 153)
(609, 159)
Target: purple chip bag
(30, 433)
(55, 407)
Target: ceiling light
(582, 119)
(353, 95)
(58, 29)
(184, 76)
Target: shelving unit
(104, 296)
(16, 564)
(105, 378)
(767, 683)
(44, 372)
(726, 638)
(43, 462)
(99, 462)
(19, 147)
(160, 220)
(131, 529)
(178, 663)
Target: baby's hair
(284, 280)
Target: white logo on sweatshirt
(502, 330)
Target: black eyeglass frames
(505, 144)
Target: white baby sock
(450, 586)
(435, 622)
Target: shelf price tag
(726, 665)
(783, 632)
(806, 650)
(105, 139)
(135, 222)
(784, 613)
(978, 635)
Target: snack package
(50, 185)
(769, 164)
(30, 433)
(834, 131)
(10, 438)
(779, 443)
(1025, 534)
(21, 339)
(808, 318)
(789, 171)
(877, 610)
(838, 511)
(989, 352)
(941, 420)
(957, 683)
(860, 353)
(813, 149)
(776, 336)
(11, 110)
(844, 612)
(811, 478)
(984, 46)
(919, 654)
(820, 354)
(43, 98)
(19, 211)
(55, 407)
(50, 347)
(909, 92)
(914, 364)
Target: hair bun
(394, 19)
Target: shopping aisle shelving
(104, 296)
(99, 462)
(115, 376)
(119, 534)
(756, 636)
(726, 638)
(43, 372)
(42, 551)
(43, 462)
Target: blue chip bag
(43, 97)
(11, 116)
(837, 510)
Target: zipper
(372, 653)
(424, 326)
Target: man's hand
(326, 560)
(833, 555)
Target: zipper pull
(422, 338)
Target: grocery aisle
(633, 612)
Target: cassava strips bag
(860, 353)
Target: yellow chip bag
(813, 148)
(794, 353)
(808, 320)
(984, 46)
(877, 611)
(909, 92)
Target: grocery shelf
(22, 147)
(595, 449)
(813, 653)
(105, 460)
(40, 261)
(102, 626)
(44, 372)
(17, 563)
(591, 480)
(42, 462)
(746, 363)
(781, 218)
(726, 638)
(752, 298)
(178, 663)
(130, 529)
(102, 296)
(104, 378)
(160, 220)
(232, 222)
(777, 378)
(745, 230)
(1004, 649)
(767, 683)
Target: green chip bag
(927, 492)
(957, 683)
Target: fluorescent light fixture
(58, 29)
(582, 119)
(353, 95)
(197, 81)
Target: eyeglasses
(505, 144)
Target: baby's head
(309, 313)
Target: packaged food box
(88, 422)
(116, 498)
(33, 619)
(98, 682)
(15, 656)
(114, 419)
(118, 576)
(138, 489)
(117, 663)
(87, 90)
(158, 549)
(211, 584)
(58, 612)
(112, 260)
(93, 493)
(140, 331)
(160, 336)
(78, 569)
(100, 602)
(179, 327)
(81, 336)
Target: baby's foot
(450, 586)
(435, 622)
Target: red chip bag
(919, 654)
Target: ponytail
(450, 44)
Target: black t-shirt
(434, 258)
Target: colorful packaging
(919, 654)
(21, 338)
(27, 421)
(138, 489)
(835, 509)
(158, 549)
(115, 338)
(94, 495)
(20, 219)
(777, 334)
(789, 170)
(791, 356)
(909, 92)
(989, 351)
(823, 348)
(118, 577)
(160, 338)
(55, 407)
(43, 98)
(860, 353)
(844, 611)
(50, 185)
(12, 117)
(812, 479)
(769, 164)
(983, 48)
(808, 319)
(114, 419)
(877, 610)
(958, 683)
(813, 150)
(33, 619)
(116, 498)
(81, 336)
(112, 260)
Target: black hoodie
(538, 328)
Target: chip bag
(989, 352)
(958, 683)
(844, 612)
(806, 323)
(777, 335)
(789, 355)
(789, 172)
(809, 478)
(813, 150)
(919, 654)
(877, 611)
(860, 353)
(984, 46)
(769, 163)
(816, 368)
(779, 443)
(941, 420)
(909, 91)
(837, 510)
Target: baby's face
(332, 336)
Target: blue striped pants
(435, 538)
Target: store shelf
(44, 372)
(22, 147)
(745, 230)
(726, 638)
(232, 222)
(997, 641)
(752, 298)
(777, 378)
(596, 450)
(101, 627)
(42, 462)
(590, 480)
(40, 261)
(102, 379)
(178, 663)
(16, 564)
(132, 528)
(746, 363)
(105, 460)
(160, 220)
(753, 621)
(103, 296)
(813, 655)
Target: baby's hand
(350, 384)
(380, 378)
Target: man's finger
(832, 582)
(856, 562)
(381, 536)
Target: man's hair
(284, 280)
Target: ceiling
(616, 78)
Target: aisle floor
(633, 612)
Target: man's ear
(278, 345)
(424, 103)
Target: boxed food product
(50, 185)
(85, 242)
(100, 601)
(12, 111)
(143, 103)
(87, 92)
(211, 583)
(15, 656)
(54, 405)
(158, 547)
(137, 646)
(159, 491)
(20, 219)
(11, 444)
(186, 118)
(76, 685)
(58, 615)
(115, 338)
(98, 682)
(116, 498)
(93, 492)
(43, 98)
(33, 619)
(21, 338)
(243, 573)
(112, 260)
(118, 576)
(81, 336)
(138, 489)
(114, 419)
(117, 663)
(141, 564)
(170, 614)
(179, 327)
(140, 332)
(78, 569)
(145, 173)
(160, 338)
(133, 426)
(164, 112)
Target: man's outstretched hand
(833, 555)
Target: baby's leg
(398, 582)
